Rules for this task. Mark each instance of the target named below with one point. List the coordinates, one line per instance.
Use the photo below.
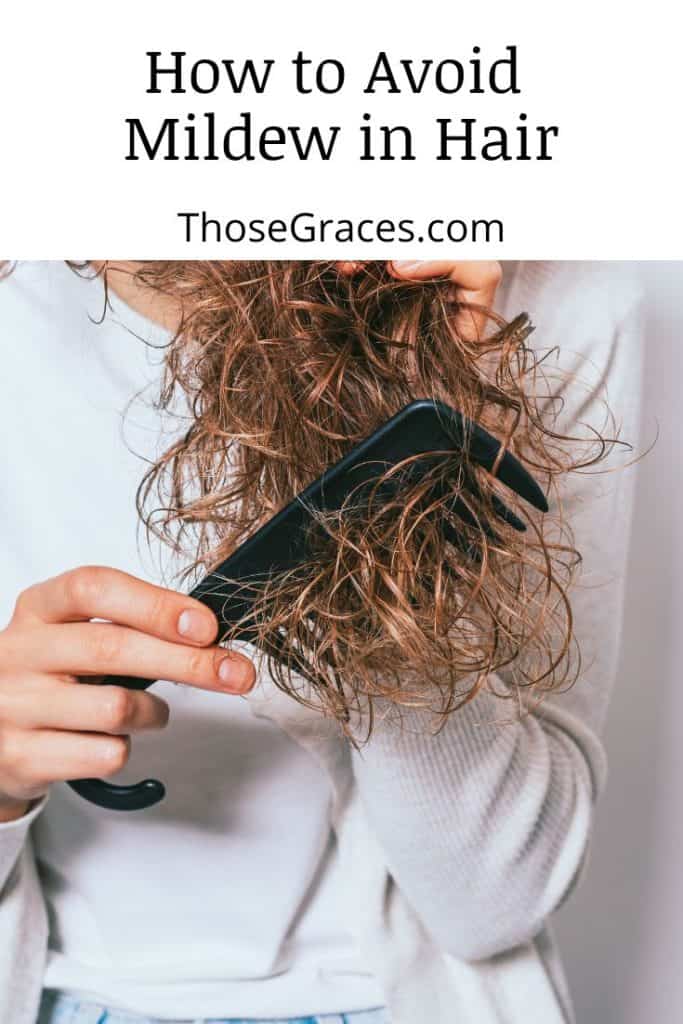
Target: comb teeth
(499, 506)
(506, 514)
(455, 538)
(484, 449)
(513, 474)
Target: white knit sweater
(457, 847)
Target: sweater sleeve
(485, 825)
(13, 837)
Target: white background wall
(622, 933)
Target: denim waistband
(59, 1008)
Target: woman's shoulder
(43, 304)
(572, 295)
(589, 315)
(589, 336)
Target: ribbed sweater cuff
(13, 836)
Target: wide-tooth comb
(421, 432)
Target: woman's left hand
(475, 283)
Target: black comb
(421, 432)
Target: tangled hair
(285, 366)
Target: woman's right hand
(52, 727)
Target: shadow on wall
(621, 933)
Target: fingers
(476, 283)
(94, 648)
(42, 702)
(36, 759)
(475, 277)
(349, 267)
(98, 592)
(53, 728)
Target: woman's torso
(222, 900)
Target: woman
(290, 873)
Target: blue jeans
(56, 1008)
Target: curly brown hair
(286, 365)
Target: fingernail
(193, 625)
(236, 674)
(406, 265)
